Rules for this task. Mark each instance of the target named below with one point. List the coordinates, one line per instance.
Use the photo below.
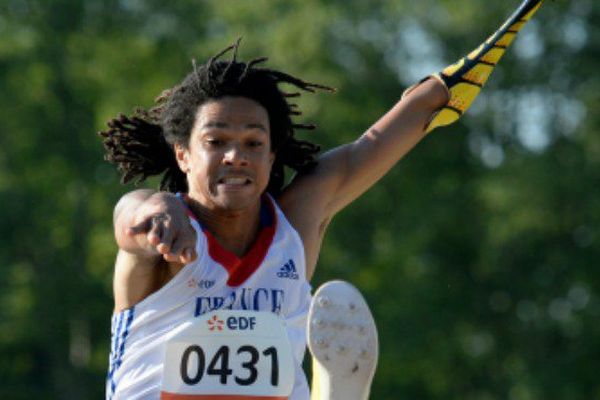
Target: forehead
(232, 111)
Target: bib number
(239, 354)
(193, 363)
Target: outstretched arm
(346, 172)
(351, 169)
(155, 240)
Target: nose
(235, 156)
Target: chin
(237, 202)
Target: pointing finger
(155, 235)
(165, 245)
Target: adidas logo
(288, 270)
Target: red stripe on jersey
(240, 269)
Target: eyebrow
(219, 124)
(257, 126)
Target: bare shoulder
(310, 193)
(305, 204)
(301, 201)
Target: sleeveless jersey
(270, 277)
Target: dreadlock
(141, 145)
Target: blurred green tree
(476, 252)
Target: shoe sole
(342, 338)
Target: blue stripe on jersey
(117, 320)
(127, 326)
(120, 334)
(116, 335)
(115, 342)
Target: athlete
(224, 231)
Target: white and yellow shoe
(465, 78)
(342, 339)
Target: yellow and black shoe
(465, 78)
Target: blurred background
(476, 252)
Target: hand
(166, 229)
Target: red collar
(240, 269)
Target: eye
(255, 143)
(212, 142)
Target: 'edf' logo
(241, 323)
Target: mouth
(235, 181)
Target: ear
(182, 155)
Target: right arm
(155, 240)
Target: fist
(163, 227)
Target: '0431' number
(219, 365)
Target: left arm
(353, 168)
(346, 172)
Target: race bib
(229, 355)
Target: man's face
(228, 160)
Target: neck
(235, 230)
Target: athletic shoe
(465, 78)
(342, 339)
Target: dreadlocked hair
(141, 145)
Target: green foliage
(476, 252)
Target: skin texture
(227, 162)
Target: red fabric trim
(240, 269)
(175, 396)
(251, 261)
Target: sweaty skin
(227, 162)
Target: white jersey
(270, 277)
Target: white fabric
(140, 333)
